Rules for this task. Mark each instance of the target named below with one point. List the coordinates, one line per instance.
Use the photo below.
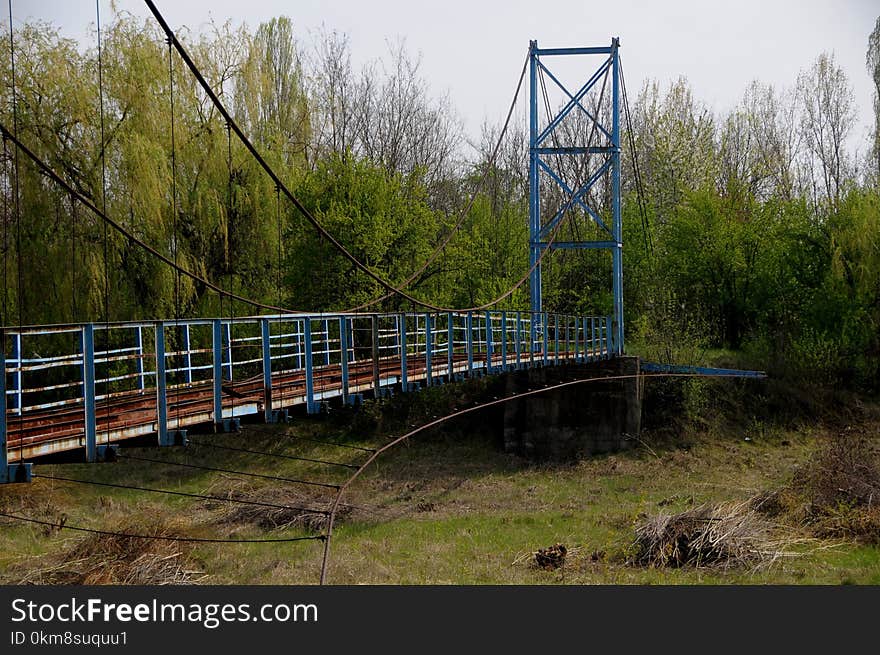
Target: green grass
(446, 508)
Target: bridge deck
(82, 398)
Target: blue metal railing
(74, 371)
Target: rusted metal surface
(49, 430)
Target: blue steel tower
(543, 149)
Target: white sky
(474, 50)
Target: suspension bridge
(77, 391)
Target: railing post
(139, 344)
(532, 336)
(503, 340)
(343, 357)
(161, 388)
(311, 405)
(300, 340)
(592, 356)
(607, 337)
(545, 326)
(604, 337)
(187, 356)
(450, 346)
(518, 339)
(567, 337)
(556, 339)
(267, 369)
(326, 325)
(401, 339)
(8, 472)
(429, 343)
(4, 455)
(217, 333)
(377, 381)
(88, 349)
(470, 343)
(229, 351)
(577, 327)
(16, 377)
(488, 342)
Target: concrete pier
(575, 421)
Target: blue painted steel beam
(488, 342)
(616, 226)
(536, 303)
(577, 99)
(574, 102)
(592, 356)
(538, 233)
(401, 327)
(20, 472)
(266, 343)
(573, 150)
(556, 339)
(88, 348)
(545, 319)
(579, 245)
(429, 339)
(470, 343)
(187, 356)
(518, 340)
(139, 344)
(343, 361)
(161, 393)
(574, 197)
(228, 351)
(16, 377)
(652, 367)
(450, 346)
(311, 406)
(550, 52)
(503, 340)
(217, 342)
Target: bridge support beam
(90, 418)
(217, 334)
(429, 343)
(312, 407)
(343, 359)
(544, 151)
(265, 342)
(8, 472)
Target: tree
(827, 116)
(270, 96)
(873, 62)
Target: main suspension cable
(184, 55)
(643, 210)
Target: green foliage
(756, 241)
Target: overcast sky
(474, 49)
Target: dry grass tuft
(108, 559)
(836, 493)
(726, 534)
(296, 511)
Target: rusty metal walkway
(86, 387)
